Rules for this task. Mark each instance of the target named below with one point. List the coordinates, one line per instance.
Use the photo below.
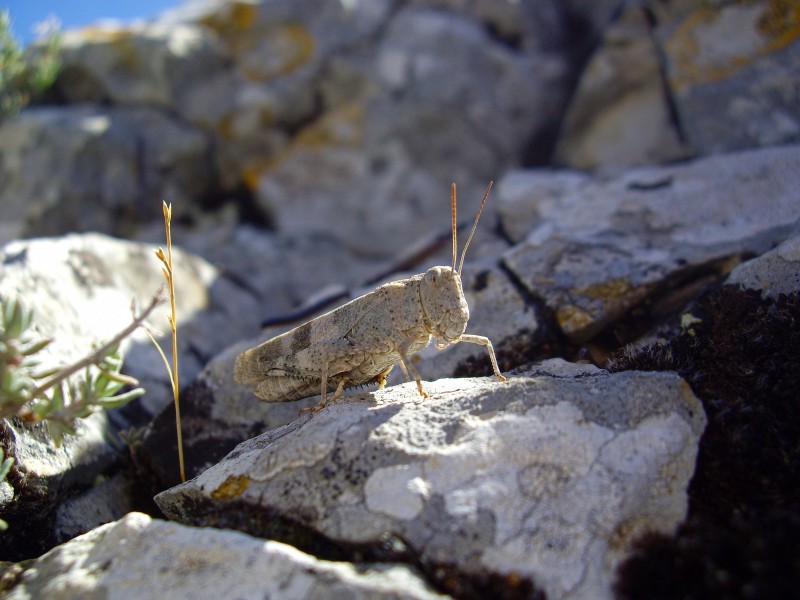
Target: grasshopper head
(444, 309)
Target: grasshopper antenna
(474, 225)
(455, 228)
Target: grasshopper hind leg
(323, 401)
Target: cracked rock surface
(547, 476)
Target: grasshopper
(359, 342)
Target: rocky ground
(637, 269)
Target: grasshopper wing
(289, 367)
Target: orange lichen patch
(95, 34)
(276, 51)
(714, 43)
(231, 488)
(254, 169)
(238, 18)
(780, 22)
(341, 127)
(570, 318)
(608, 290)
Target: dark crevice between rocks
(90, 86)
(546, 341)
(31, 517)
(247, 207)
(662, 305)
(741, 355)
(390, 548)
(156, 452)
(673, 112)
(525, 346)
(510, 39)
(580, 40)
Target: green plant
(55, 396)
(25, 74)
(5, 467)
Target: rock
(218, 413)
(140, 557)
(731, 69)
(379, 154)
(81, 288)
(155, 64)
(683, 78)
(599, 250)
(103, 502)
(86, 168)
(774, 272)
(620, 113)
(547, 477)
(522, 193)
(42, 479)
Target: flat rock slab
(140, 557)
(547, 477)
(597, 248)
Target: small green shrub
(54, 395)
(25, 74)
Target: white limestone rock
(140, 557)
(549, 476)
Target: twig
(96, 356)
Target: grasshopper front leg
(483, 341)
(406, 366)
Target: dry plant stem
(94, 357)
(173, 323)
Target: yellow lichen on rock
(231, 488)
(714, 43)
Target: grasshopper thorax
(444, 309)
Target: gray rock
(442, 101)
(461, 104)
(619, 115)
(106, 500)
(47, 476)
(732, 69)
(523, 193)
(603, 247)
(773, 273)
(139, 64)
(218, 413)
(548, 476)
(81, 288)
(140, 557)
(85, 168)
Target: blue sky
(77, 13)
